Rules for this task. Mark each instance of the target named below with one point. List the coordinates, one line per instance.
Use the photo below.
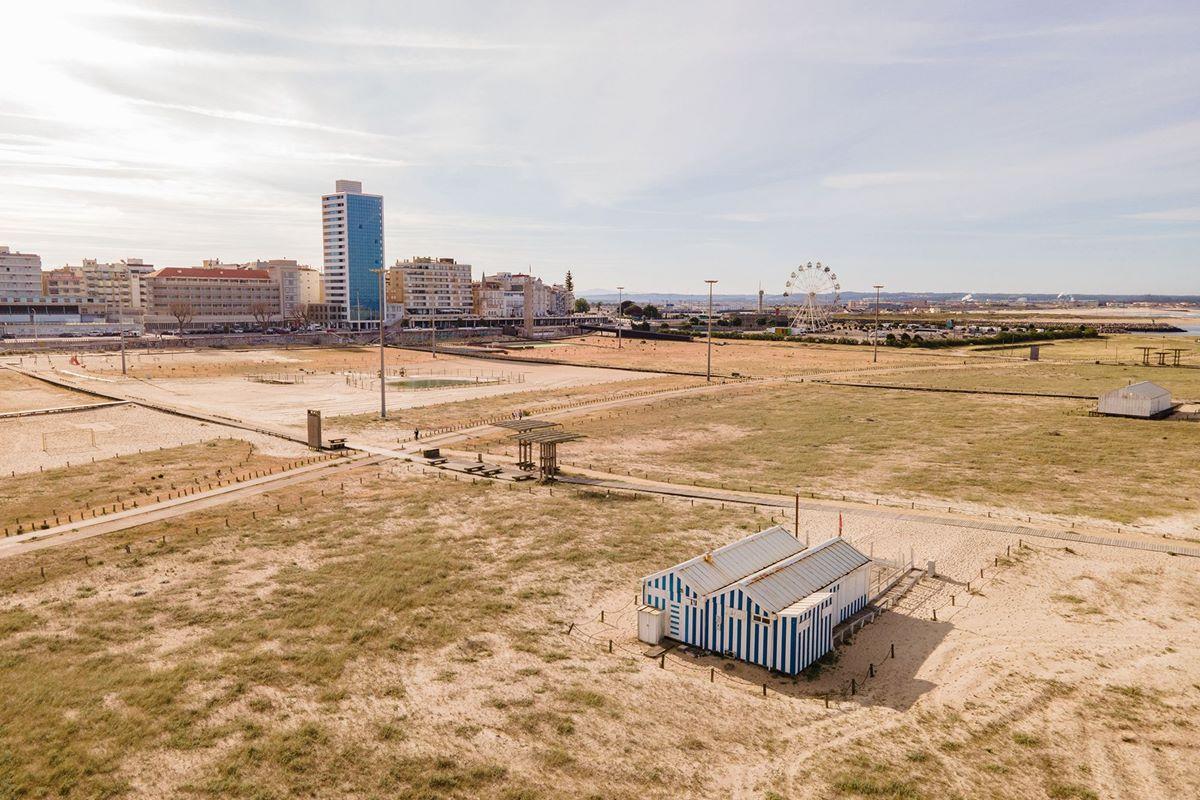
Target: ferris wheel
(818, 288)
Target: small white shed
(1142, 400)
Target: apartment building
(299, 285)
(211, 296)
(113, 288)
(352, 235)
(20, 275)
(422, 286)
(503, 295)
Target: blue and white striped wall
(724, 622)
(784, 643)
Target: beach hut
(1143, 400)
(765, 599)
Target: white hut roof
(734, 561)
(1143, 388)
(783, 584)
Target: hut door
(675, 621)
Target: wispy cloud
(626, 141)
(1170, 215)
(869, 180)
(255, 119)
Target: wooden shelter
(547, 441)
(525, 448)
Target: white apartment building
(422, 286)
(20, 275)
(503, 295)
(352, 238)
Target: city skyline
(1024, 150)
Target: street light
(382, 372)
(708, 371)
(875, 351)
(620, 312)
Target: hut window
(759, 618)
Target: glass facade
(364, 252)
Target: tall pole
(382, 363)
(620, 312)
(123, 352)
(875, 351)
(708, 371)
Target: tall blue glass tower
(352, 227)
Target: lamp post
(382, 367)
(708, 371)
(620, 312)
(875, 351)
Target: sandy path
(167, 509)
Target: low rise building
(1144, 400)
(20, 275)
(766, 599)
(428, 287)
(210, 297)
(504, 295)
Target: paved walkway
(36, 412)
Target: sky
(989, 146)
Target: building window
(761, 620)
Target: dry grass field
(1039, 456)
(1122, 348)
(755, 359)
(421, 652)
(392, 633)
(464, 411)
(56, 492)
(1082, 378)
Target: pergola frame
(547, 442)
(525, 448)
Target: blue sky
(927, 146)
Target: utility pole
(123, 351)
(382, 363)
(708, 371)
(875, 352)
(620, 312)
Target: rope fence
(200, 484)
